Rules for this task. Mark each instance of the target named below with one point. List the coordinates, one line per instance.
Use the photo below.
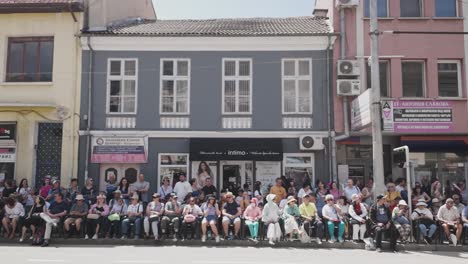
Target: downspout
(343, 57)
(331, 140)
(88, 125)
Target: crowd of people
(316, 212)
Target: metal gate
(48, 151)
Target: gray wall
(206, 87)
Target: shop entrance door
(234, 174)
(130, 171)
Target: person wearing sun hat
(358, 212)
(231, 215)
(400, 217)
(78, 211)
(99, 210)
(449, 217)
(424, 220)
(252, 216)
(134, 215)
(291, 216)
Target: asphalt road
(215, 255)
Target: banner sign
(360, 111)
(119, 150)
(422, 116)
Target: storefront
(7, 151)
(119, 156)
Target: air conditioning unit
(311, 143)
(347, 3)
(348, 68)
(348, 87)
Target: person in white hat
(400, 216)
(425, 221)
(77, 213)
(358, 212)
(290, 216)
(449, 217)
(134, 215)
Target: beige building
(40, 58)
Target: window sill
(236, 114)
(380, 18)
(174, 114)
(451, 98)
(448, 18)
(414, 18)
(413, 98)
(26, 83)
(121, 114)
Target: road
(212, 255)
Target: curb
(238, 243)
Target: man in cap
(56, 188)
(449, 217)
(381, 219)
(172, 212)
(310, 217)
(77, 212)
(425, 221)
(231, 215)
(134, 215)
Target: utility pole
(377, 148)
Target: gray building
(239, 100)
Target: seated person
(252, 216)
(154, 210)
(425, 218)
(117, 212)
(449, 217)
(231, 215)
(191, 214)
(133, 215)
(270, 217)
(330, 213)
(96, 217)
(291, 216)
(400, 218)
(14, 211)
(310, 217)
(33, 219)
(116, 195)
(78, 212)
(172, 212)
(465, 218)
(380, 217)
(358, 212)
(211, 214)
(53, 215)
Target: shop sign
(119, 150)
(422, 116)
(360, 111)
(7, 157)
(7, 131)
(236, 149)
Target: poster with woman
(203, 169)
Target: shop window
(384, 69)
(411, 8)
(413, 78)
(30, 59)
(175, 86)
(172, 166)
(382, 8)
(122, 76)
(449, 78)
(446, 8)
(300, 168)
(297, 86)
(237, 86)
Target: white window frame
(172, 166)
(424, 92)
(296, 78)
(311, 165)
(121, 78)
(459, 79)
(237, 78)
(174, 78)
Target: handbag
(189, 218)
(153, 218)
(114, 217)
(93, 216)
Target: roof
(293, 26)
(41, 6)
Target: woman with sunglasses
(96, 217)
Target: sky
(204, 9)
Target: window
(122, 86)
(30, 59)
(299, 167)
(382, 8)
(384, 78)
(413, 78)
(237, 86)
(449, 78)
(175, 86)
(410, 8)
(172, 166)
(445, 8)
(297, 86)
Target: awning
(436, 143)
(236, 149)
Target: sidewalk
(236, 243)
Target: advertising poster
(203, 169)
(267, 172)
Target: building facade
(240, 100)
(39, 86)
(423, 86)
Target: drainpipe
(331, 135)
(88, 125)
(343, 56)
